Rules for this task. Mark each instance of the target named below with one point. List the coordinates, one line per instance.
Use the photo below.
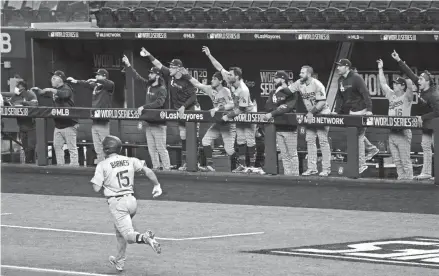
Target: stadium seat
(295, 16)
(243, 5)
(373, 18)
(253, 18)
(276, 18)
(282, 5)
(391, 18)
(78, 11)
(105, 17)
(261, 4)
(167, 4)
(215, 17)
(185, 4)
(301, 5)
(149, 5)
(334, 17)
(46, 11)
(178, 18)
(12, 15)
(432, 16)
(197, 17)
(314, 18)
(321, 5)
(361, 5)
(141, 17)
(234, 17)
(413, 18)
(341, 5)
(123, 17)
(422, 5)
(160, 18)
(204, 4)
(223, 4)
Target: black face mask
(277, 85)
(150, 82)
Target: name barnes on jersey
(119, 163)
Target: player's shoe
(310, 172)
(206, 169)
(118, 265)
(325, 173)
(422, 176)
(372, 153)
(183, 167)
(240, 169)
(149, 238)
(363, 169)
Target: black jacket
(281, 101)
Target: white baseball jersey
(221, 97)
(116, 174)
(399, 106)
(311, 93)
(242, 97)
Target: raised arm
(213, 60)
(404, 67)
(156, 62)
(205, 88)
(383, 83)
(409, 92)
(134, 73)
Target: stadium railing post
(41, 124)
(353, 162)
(191, 147)
(271, 160)
(435, 123)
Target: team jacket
(281, 101)
(63, 98)
(102, 95)
(431, 96)
(26, 98)
(182, 92)
(352, 94)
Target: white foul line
(65, 272)
(112, 234)
(5, 214)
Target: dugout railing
(191, 118)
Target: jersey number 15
(124, 181)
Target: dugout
(80, 52)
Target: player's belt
(120, 195)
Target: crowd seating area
(278, 14)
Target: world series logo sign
(412, 251)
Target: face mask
(17, 91)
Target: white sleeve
(137, 164)
(98, 178)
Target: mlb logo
(97, 34)
(299, 119)
(97, 114)
(367, 121)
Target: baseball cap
(59, 74)
(344, 62)
(176, 62)
(102, 72)
(400, 80)
(282, 75)
(155, 70)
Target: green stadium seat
(141, 17)
(123, 17)
(254, 18)
(197, 17)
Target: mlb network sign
(412, 251)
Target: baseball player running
(245, 133)
(400, 104)
(281, 101)
(222, 101)
(155, 99)
(116, 176)
(103, 89)
(430, 95)
(314, 98)
(182, 93)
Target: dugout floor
(54, 225)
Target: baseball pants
(400, 144)
(123, 209)
(29, 140)
(426, 144)
(361, 147)
(227, 132)
(99, 132)
(310, 137)
(66, 136)
(246, 140)
(368, 145)
(287, 142)
(156, 139)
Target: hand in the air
(380, 64)
(212, 112)
(395, 56)
(126, 61)
(206, 50)
(72, 80)
(157, 191)
(144, 52)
